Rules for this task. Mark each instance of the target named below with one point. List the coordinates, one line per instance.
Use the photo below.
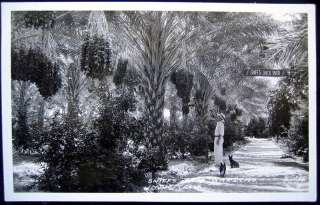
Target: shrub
(99, 161)
(22, 138)
(110, 165)
(298, 137)
(199, 144)
(61, 155)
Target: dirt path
(261, 170)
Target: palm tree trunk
(154, 110)
(201, 107)
(154, 104)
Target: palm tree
(153, 39)
(289, 50)
(217, 40)
(202, 97)
(290, 46)
(226, 45)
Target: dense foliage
(280, 112)
(233, 126)
(94, 162)
(22, 136)
(40, 19)
(257, 128)
(288, 105)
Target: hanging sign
(266, 72)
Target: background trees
(21, 132)
(290, 51)
(280, 106)
(257, 128)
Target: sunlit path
(261, 170)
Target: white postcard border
(10, 195)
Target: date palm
(153, 39)
(217, 40)
(289, 50)
(227, 44)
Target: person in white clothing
(218, 140)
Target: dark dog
(233, 163)
(222, 169)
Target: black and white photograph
(151, 100)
